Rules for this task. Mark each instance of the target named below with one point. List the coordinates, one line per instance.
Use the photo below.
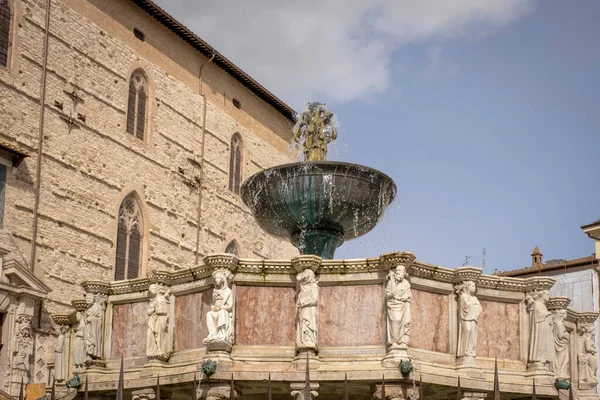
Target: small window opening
(236, 103)
(139, 34)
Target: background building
(133, 162)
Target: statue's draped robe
(398, 311)
(588, 363)
(219, 322)
(60, 366)
(307, 314)
(158, 321)
(561, 347)
(468, 311)
(541, 343)
(94, 330)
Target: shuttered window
(129, 240)
(137, 104)
(235, 163)
(4, 32)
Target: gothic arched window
(129, 240)
(235, 163)
(137, 104)
(232, 248)
(5, 26)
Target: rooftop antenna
(483, 260)
(466, 261)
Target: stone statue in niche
(398, 295)
(79, 344)
(586, 356)
(541, 342)
(561, 345)
(61, 368)
(157, 338)
(94, 324)
(307, 300)
(469, 311)
(219, 319)
(24, 349)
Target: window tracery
(129, 240)
(137, 104)
(235, 163)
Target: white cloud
(333, 50)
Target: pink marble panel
(498, 330)
(190, 319)
(430, 322)
(129, 329)
(351, 315)
(265, 315)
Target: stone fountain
(318, 204)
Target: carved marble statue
(157, 338)
(586, 356)
(561, 345)
(398, 295)
(469, 310)
(307, 300)
(541, 342)
(219, 319)
(94, 320)
(79, 344)
(61, 368)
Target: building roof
(591, 224)
(537, 252)
(207, 50)
(552, 265)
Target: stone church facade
(132, 164)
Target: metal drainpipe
(203, 137)
(38, 171)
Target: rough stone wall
(86, 171)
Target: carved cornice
(502, 283)
(159, 276)
(427, 271)
(221, 261)
(306, 261)
(558, 303)
(97, 287)
(462, 274)
(586, 318)
(393, 259)
(132, 285)
(64, 319)
(80, 304)
(539, 283)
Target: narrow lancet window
(137, 104)
(129, 240)
(235, 164)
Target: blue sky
(487, 120)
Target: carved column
(158, 346)
(221, 319)
(587, 354)
(307, 302)
(397, 294)
(21, 357)
(560, 365)
(95, 298)
(298, 390)
(468, 312)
